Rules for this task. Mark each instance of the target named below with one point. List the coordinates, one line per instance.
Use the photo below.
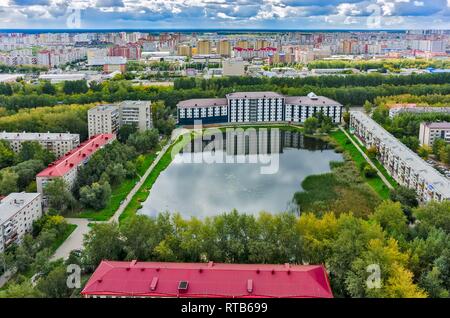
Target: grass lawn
(118, 193)
(376, 163)
(343, 142)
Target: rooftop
(202, 102)
(310, 100)
(442, 125)
(77, 155)
(208, 280)
(423, 169)
(24, 136)
(13, 203)
(103, 108)
(254, 95)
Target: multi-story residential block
(413, 108)
(137, 113)
(429, 132)
(207, 280)
(224, 48)
(204, 47)
(405, 166)
(57, 143)
(103, 119)
(248, 107)
(17, 213)
(107, 119)
(67, 167)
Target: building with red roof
(67, 166)
(207, 280)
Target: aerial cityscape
(201, 149)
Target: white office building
(405, 166)
(429, 132)
(18, 211)
(57, 143)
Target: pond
(251, 171)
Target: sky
(225, 14)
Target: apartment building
(405, 166)
(429, 132)
(103, 119)
(57, 143)
(114, 279)
(107, 119)
(138, 113)
(413, 108)
(248, 107)
(17, 213)
(204, 47)
(67, 167)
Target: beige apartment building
(224, 48)
(107, 119)
(429, 132)
(204, 47)
(57, 143)
(184, 50)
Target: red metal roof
(208, 280)
(74, 157)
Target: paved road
(75, 239)
(383, 178)
(115, 217)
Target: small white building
(18, 211)
(429, 132)
(57, 143)
(63, 77)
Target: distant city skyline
(223, 14)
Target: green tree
(103, 242)
(311, 124)
(125, 131)
(434, 214)
(58, 196)
(33, 150)
(392, 219)
(95, 196)
(54, 284)
(7, 155)
(8, 181)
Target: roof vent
(250, 286)
(257, 271)
(183, 285)
(154, 283)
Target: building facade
(413, 108)
(67, 167)
(429, 132)
(137, 113)
(107, 119)
(103, 119)
(18, 211)
(254, 107)
(57, 143)
(114, 279)
(405, 166)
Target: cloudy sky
(252, 14)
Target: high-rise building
(18, 211)
(184, 50)
(204, 47)
(103, 119)
(243, 44)
(137, 113)
(224, 48)
(259, 44)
